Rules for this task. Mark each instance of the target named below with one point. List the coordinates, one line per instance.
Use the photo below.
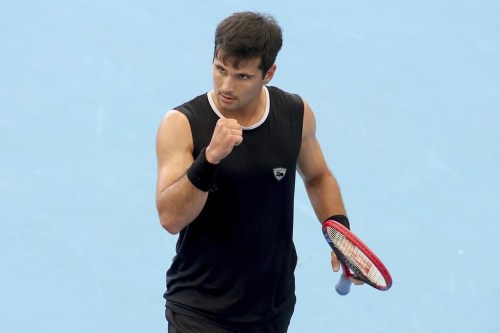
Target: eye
(244, 76)
(221, 70)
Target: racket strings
(355, 259)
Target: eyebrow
(219, 64)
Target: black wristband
(202, 173)
(342, 219)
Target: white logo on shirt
(279, 173)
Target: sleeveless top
(234, 264)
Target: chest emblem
(279, 173)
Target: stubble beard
(228, 105)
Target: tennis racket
(356, 259)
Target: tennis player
(227, 162)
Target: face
(239, 89)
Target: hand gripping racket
(356, 258)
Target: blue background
(407, 100)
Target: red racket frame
(351, 237)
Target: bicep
(174, 147)
(311, 163)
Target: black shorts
(178, 323)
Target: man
(227, 162)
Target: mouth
(226, 99)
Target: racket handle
(343, 286)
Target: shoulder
(309, 124)
(277, 94)
(174, 126)
(180, 117)
(199, 102)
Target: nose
(227, 84)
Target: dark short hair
(246, 35)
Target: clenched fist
(227, 135)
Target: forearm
(324, 194)
(179, 204)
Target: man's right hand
(227, 135)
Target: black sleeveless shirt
(235, 262)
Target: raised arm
(322, 187)
(178, 201)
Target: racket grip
(343, 287)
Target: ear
(270, 73)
